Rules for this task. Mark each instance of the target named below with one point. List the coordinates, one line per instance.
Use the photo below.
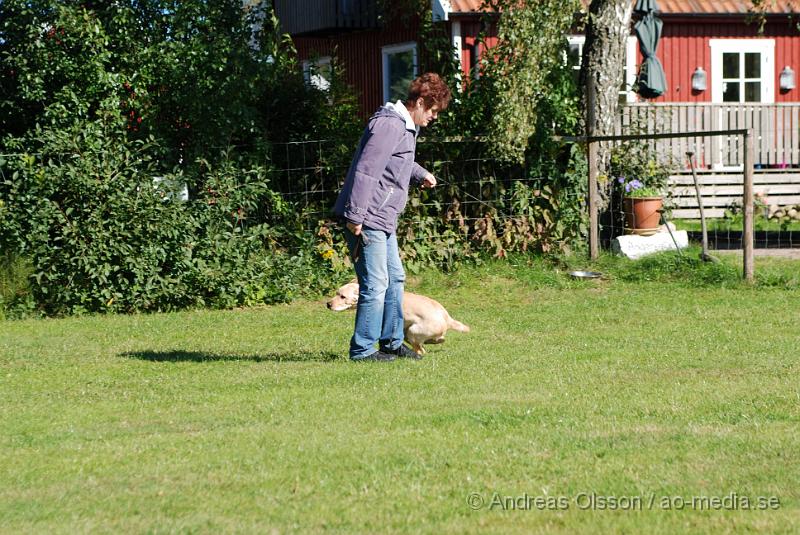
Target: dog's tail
(456, 325)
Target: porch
(719, 159)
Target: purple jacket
(375, 191)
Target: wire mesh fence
(476, 194)
(718, 162)
(691, 184)
(475, 188)
(472, 186)
(311, 173)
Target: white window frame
(765, 47)
(387, 51)
(630, 61)
(310, 79)
(455, 30)
(580, 41)
(631, 69)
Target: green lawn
(254, 421)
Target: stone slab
(635, 247)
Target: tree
(760, 8)
(607, 29)
(530, 46)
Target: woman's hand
(429, 181)
(355, 229)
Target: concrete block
(634, 246)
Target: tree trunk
(607, 31)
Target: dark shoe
(378, 356)
(403, 352)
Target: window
(627, 93)
(318, 72)
(575, 56)
(399, 69)
(743, 70)
(575, 52)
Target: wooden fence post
(594, 232)
(747, 231)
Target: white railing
(721, 190)
(776, 128)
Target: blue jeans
(379, 314)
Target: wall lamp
(787, 79)
(699, 79)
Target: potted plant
(642, 206)
(640, 180)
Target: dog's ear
(352, 298)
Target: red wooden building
(722, 39)
(715, 38)
(379, 57)
(721, 71)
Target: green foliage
(636, 160)
(524, 95)
(195, 75)
(636, 171)
(98, 99)
(103, 238)
(530, 47)
(522, 91)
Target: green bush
(524, 97)
(103, 238)
(98, 99)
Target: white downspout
(455, 27)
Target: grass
(662, 380)
(14, 285)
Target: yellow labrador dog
(425, 321)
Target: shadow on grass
(201, 356)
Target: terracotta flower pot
(641, 214)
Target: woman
(372, 198)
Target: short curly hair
(431, 88)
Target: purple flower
(633, 185)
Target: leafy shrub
(636, 170)
(97, 99)
(103, 238)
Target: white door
(742, 73)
